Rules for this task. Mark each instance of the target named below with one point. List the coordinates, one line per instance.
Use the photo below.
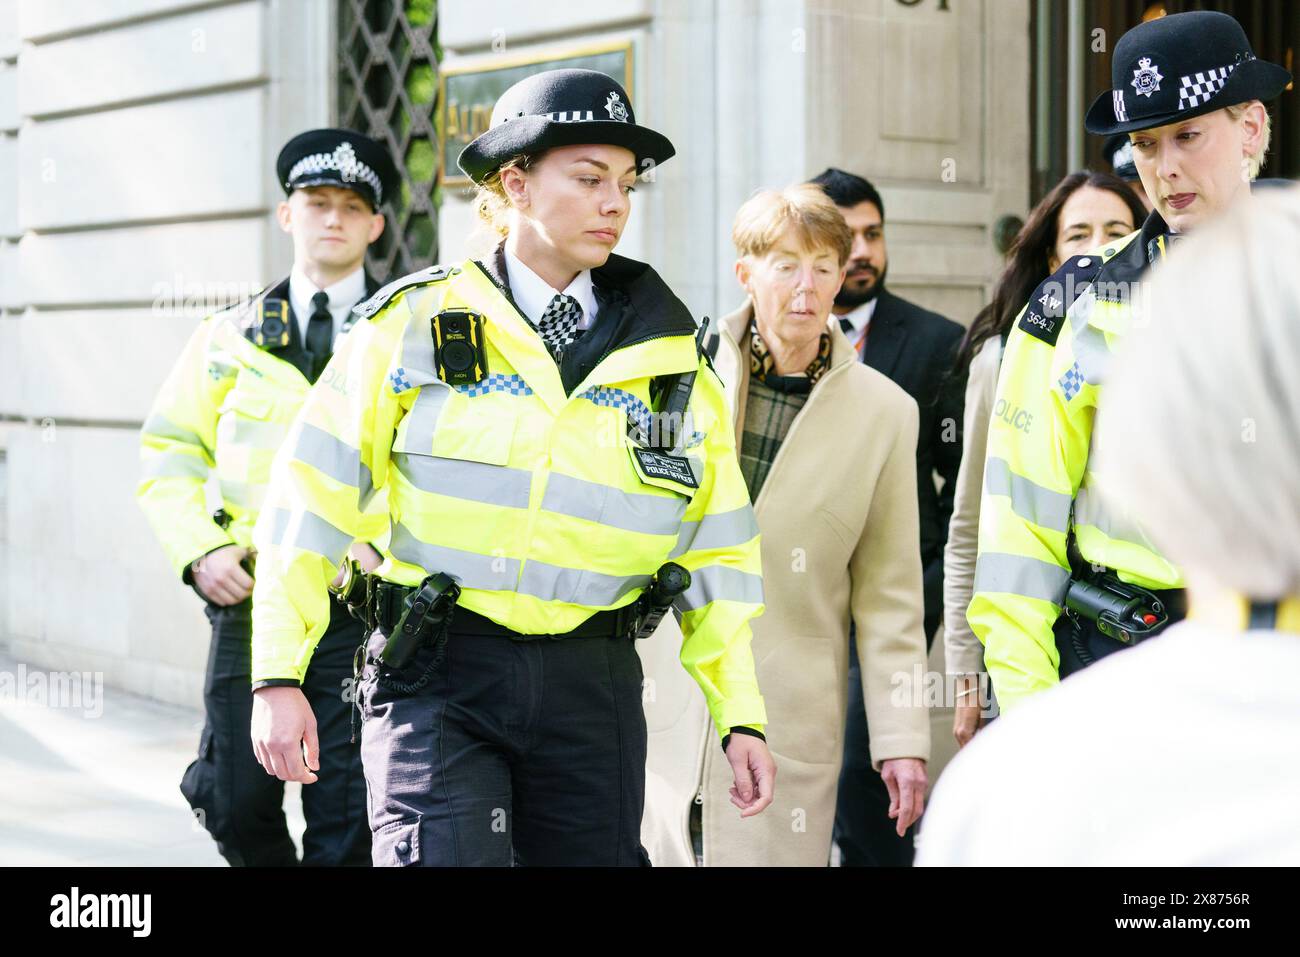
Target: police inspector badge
(614, 106)
(1146, 78)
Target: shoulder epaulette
(424, 277)
(1045, 314)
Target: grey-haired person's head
(1199, 428)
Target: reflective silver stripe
(1091, 509)
(423, 417)
(473, 481)
(175, 465)
(333, 456)
(163, 428)
(1029, 500)
(576, 586)
(309, 532)
(1017, 575)
(630, 511)
(1092, 354)
(417, 355)
(471, 569)
(723, 530)
(259, 435)
(720, 583)
(247, 497)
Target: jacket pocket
(397, 844)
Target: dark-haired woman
(1083, 211)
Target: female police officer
(519, 411)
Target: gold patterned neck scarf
(763, 366)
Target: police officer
(1187, 89)
(226, 407)
(550, 436)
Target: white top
(344, 294)
(1182, 751)
(859, 319)
(532, 293)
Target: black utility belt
(1122, 611)
(388, 600)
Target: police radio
(459, 355)
(271, 327)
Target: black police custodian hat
(561, 108)
(342, 158)
(1180, 66)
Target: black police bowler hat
(561, 108)
(1180, 66)
(343, 158)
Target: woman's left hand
(755, 773)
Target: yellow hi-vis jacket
(534, 500)
(1038, 485)
(225, 407)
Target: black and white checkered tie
(559, 323)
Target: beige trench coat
(839, 526)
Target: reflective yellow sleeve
(177, 444)
(1037, 450)
(324, 482)
(719, 546)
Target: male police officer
(226, 407)
(1188, 90)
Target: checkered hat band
(1121, 114)
(323, 162)
(1197, 88)
(571, 116)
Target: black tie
(846, 325)
(320, 333)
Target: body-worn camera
(669, 582)
(424, 613)
(460, 356)
(271, 330)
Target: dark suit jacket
(916, 348)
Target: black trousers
(234, 798)
(863, 829)
(511, 751)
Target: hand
(365, 555)
(969, 716)
(966, 720)
(219, 577)
(906, 780)
(282, 724)
(754, 771)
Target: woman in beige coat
(828, 448)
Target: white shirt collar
(860, 317)
(344, 294)
(532, 293)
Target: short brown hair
(768, 214)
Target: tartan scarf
(763, 367)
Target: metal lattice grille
(388, 88)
